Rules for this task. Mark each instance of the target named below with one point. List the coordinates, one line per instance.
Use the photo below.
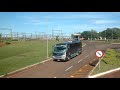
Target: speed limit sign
(99, 53)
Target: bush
(1, 41)
(7, 43)
(14, 39)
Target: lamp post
(112, 34)
(91, 35)
(105, 35)
(47, 38)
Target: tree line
(109, 33)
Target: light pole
(112, 34)
(91, 35)
(105, 35)
(47, 38)
(11, 32)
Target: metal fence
(31, 36)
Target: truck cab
(67, 50)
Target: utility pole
(7, 29)
(11, 32)
(17, 36)
(52, 34)
(105, 34)
(112, 34)
(91, 35)
(47, 38)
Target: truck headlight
(64, 54)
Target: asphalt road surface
(54, 69)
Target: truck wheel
(64, 60)
(77, 53)
(67, 59)
(80, 52)
(54, 59)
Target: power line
(7, 29)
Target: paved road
(52, 69)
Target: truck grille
(58, 54)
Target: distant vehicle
(67, 50)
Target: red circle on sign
(101, 52)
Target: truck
(67, 50)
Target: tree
(94, 34)
(111, 33)
(0, 35)
(89, 34)
(57, 38)
(86, 34)
(116, 33)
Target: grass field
(23, 53)
(106, 41)
(111, 60)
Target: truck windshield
(59, 49)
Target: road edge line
(84, 45)
(25, 67)
(103, 73)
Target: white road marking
(103, 73)
(80, 60)
(83, 45)
(71, 76)
(68, 68)
(86, 56)
(92, 60)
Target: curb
(115, 43)
(25, 67)
(103, 73)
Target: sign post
(99, 63)
(99, 54)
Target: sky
(68, 22)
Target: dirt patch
(93, 63)
(83, 72)
(2, 44)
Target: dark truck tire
(67, 58)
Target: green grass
(111, 60)
(106, 41)
(23, 53)
(113, 41)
